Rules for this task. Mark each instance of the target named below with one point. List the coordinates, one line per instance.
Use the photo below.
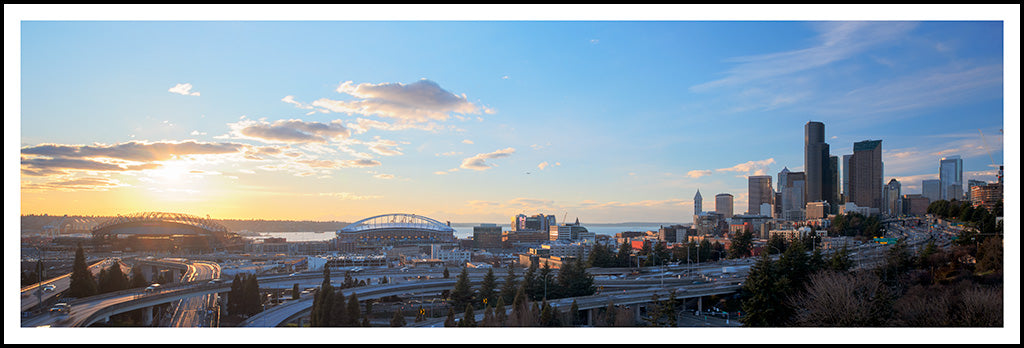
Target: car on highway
(153, 287)
(60, 308)
(49, 287)
(215, 281)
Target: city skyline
(605, 121)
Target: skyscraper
(846, 177)
(759, 191)
(791, 185)
(893, 206)
(815, 161)
(866, 174)
(831, 190)
(723, 204)
(931, 189)
(951, 171)
(697, 202)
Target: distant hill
(35, 223)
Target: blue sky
(476, 121)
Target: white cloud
(195, 132)
(183, 89)
(346, 196)
(698, 173)
(417, 102)
(750, 167)
(478, 162)
(291, 100)
(467, 141)
(542, 165)
(384, 176)
(289, 131)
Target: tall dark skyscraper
(821, 177)
(830, 189)
(866, 174)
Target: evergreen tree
(486, 295)
(398, 320)
(115, 280)
(508, 290)
(468, 319)
(366, 321)
(253, 301)
(445, 273)
(338, 310)
(519, 306)
(82, 282)
(609, 314)
(530, 284)
(622, 256)
(138, 279)
(795, 265)
(349, 281)
(547, 315)
(500, 317)
(450, 320)
(762, 298)
(776, 244)
(816, 262)
(574, 314)
(462, 294)
(235, 296)
(573, 280)
(547, 285)
(741, 244)
(353, 310)
(489, 320)
(840, 260)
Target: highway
(29, 294)
(629, 285)
(195, 311)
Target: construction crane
(985, 144)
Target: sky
(609, 113)
(476, 121)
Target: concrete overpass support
(147, 316)
(590, 316)
(699, 309)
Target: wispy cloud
(478, 162)
(183, 89)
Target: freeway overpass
(30, 294)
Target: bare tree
(844, 300)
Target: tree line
(930, 288)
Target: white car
(49, 287)
(61, 308)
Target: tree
(609, 314)
(776, 244)
(741, 244)
(573, 280)
(546, 284)
(762, 295)
(840, 260)
(500, 317)
(251, 292)
(622, 256)
(601, 256)
(353, 310)
(398, 320)
(843, 300)
(450, 320)
(112, 279)
(468, 319)
(138, 279)
(445, 273)
(508, 290)
(82, 282)
(574, 314)
(489, 320)
(462, 294)
(235, 296)
(547, 315)
(531, 284)
(487, 286)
